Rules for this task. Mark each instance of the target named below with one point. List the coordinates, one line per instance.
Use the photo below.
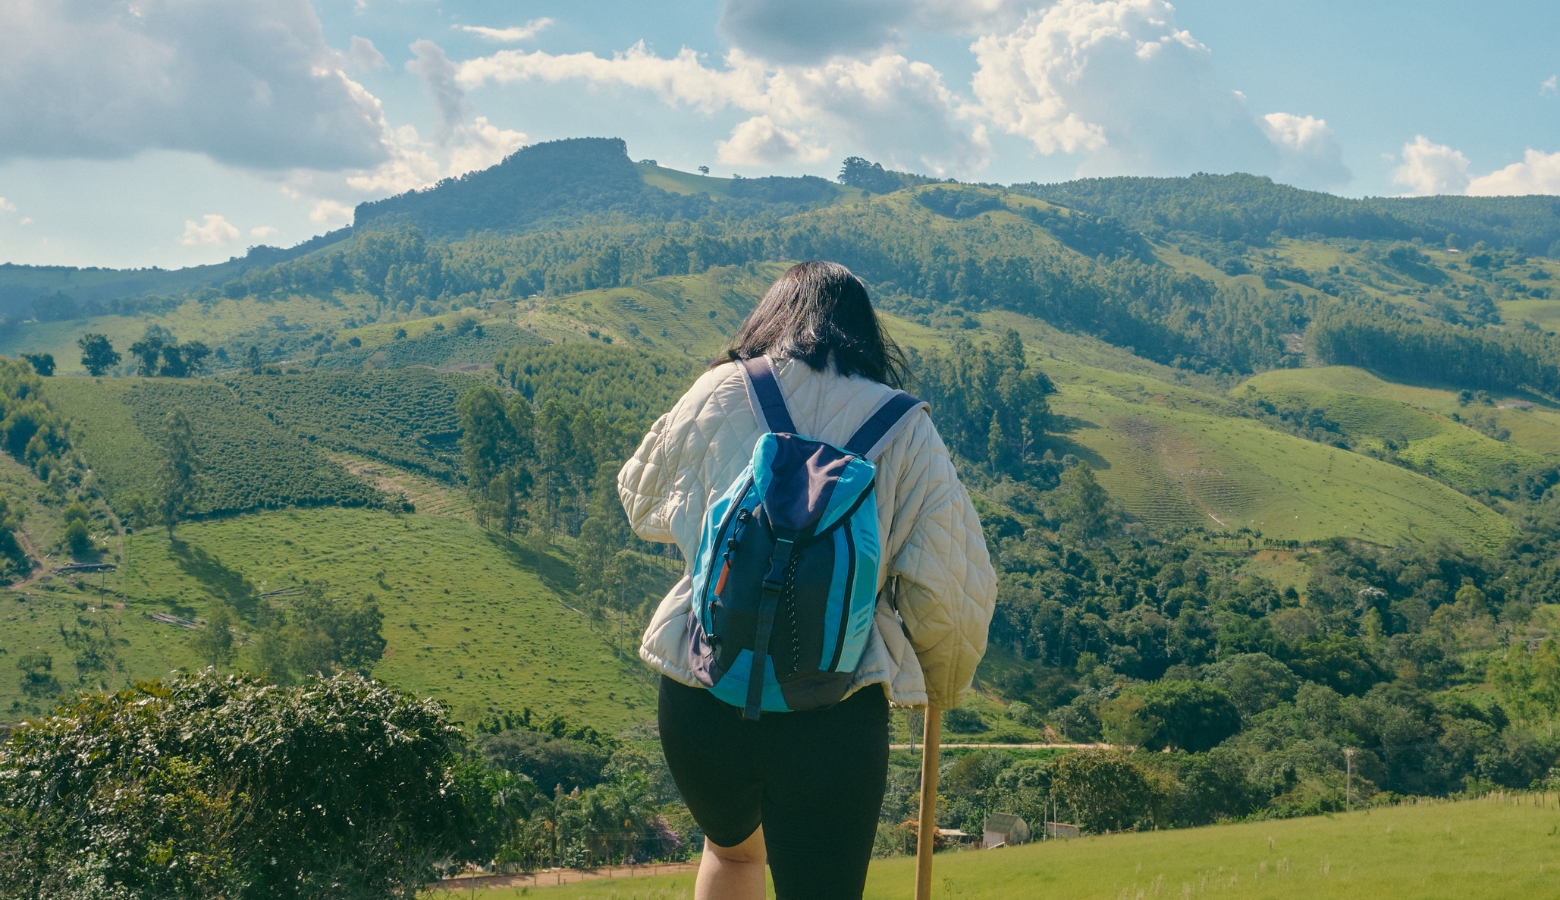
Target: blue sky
(170, 132)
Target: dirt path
(40, 566)
(1011, 746)
(554, 877)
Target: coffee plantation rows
(247, 461)
(470, 345)
(406, 417)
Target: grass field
(472, 620)
(692, 314)
(1473, 850)
(1171, 458)
(1378, 411)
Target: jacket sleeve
(646, 482)
(947, 589)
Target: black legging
(813, 779)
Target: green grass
(1473, 850)
(471, 619)
(1172, 458)
(692, 314)
(1543, 313)
(1368, 407)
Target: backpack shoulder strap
(887, 420)
(764, 394)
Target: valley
(1292, 454)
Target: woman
(804, 789)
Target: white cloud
(889, 107)
(1431, 168)
(1309, 154)
(679, 79)
(1538, 173)
(481, 144)
(365, 56)
(262, 231)
(213, 230)
(249, 84)
(409, 167)
(1550, 86)
(512, 35)
(809, 32)
(331, 212)
(760, 142)
(1120, 84)
(472, 145)
(26, 221)
(6, 206)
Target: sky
(180, 132)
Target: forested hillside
(1267, 474)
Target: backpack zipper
(731, 516)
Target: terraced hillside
(248, 462)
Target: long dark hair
(815, 312)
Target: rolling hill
(1322, 441)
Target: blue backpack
(785, 579)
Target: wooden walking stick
(926, 832)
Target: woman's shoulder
(713, 392)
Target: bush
(210, 786)
(963, 721)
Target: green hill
(1474, 446)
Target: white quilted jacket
(933, 543)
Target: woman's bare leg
(732, 873)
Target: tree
(97, 354)
(78, 535)
(38, 681)
(179, 484)
(1106, 789)
(42, 363)
(183, 360)
(1182, 715)
(1254, 681)
(148, 350)
(253, 361)
(1080, 507)
(320, 634)
(499, 447)
(215, 641)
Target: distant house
(1062, 830)
(1004, 829)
